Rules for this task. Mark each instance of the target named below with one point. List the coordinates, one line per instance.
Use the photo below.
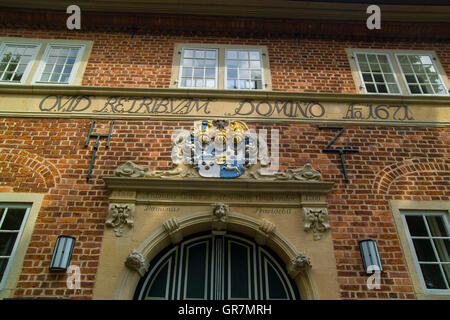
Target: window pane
(432, 276)
(232, 84)
(244, 64)
(231, 54)
(424, 250)
(210, 83)
(371, 88)
(196, 271)
(232, 73)
(439, 89)
(393, 88)
(7, 240)
(199, 63)
(232, 64)
(416, 226)
(364, 67)
(378, 77)
(414, 89)
(239, 271)
(188, 53)
(244, 74)
(443, 248)
(437, 227)
(254, 55)
(159, 285)
(188, 63)
(255, 64)
(211, 54)
(54, 77)
(382, 88)
(13, 219)
(210, 63)
(427, 89)
(275, 284)
(187, 72)
(199, 54)
(199, 73)
(446, 268)
(210, 73)
(367, 77)
(45, 76)
(3, 264)
(422, 68)
(243, 55)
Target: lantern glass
(62, 254)
(370, 256)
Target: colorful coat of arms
(220, 148)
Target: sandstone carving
(137, 262)
(316, 220)
(120, 215)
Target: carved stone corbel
(316, 220)
(137, 262)
(119, 215)
(220, 212)
(265, 230)
(172, 227)
(299, 264)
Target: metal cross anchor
(341, 151)
(98, 136)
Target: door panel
(216, 267)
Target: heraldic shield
(221, 148)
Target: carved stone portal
(137, 262)
(316, 220)
(120, 215)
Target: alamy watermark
(374, 281)
(74, 20)
(74, 279)
(374, 20)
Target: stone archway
(175, 230)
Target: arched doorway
(216, 266)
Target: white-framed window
(29, 61)
(428, 234)
(16, 60)
(405, 72)
(59, 64)
(420, 74)
(199, 68)
(377, 73)
(210, 66)
(244, 69)
(13, 218)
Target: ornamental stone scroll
(119, 215)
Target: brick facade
(48, 155)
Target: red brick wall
(145, 60)
(48, 156)
(382, 170)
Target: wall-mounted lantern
(62, 254)
(370, 256)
